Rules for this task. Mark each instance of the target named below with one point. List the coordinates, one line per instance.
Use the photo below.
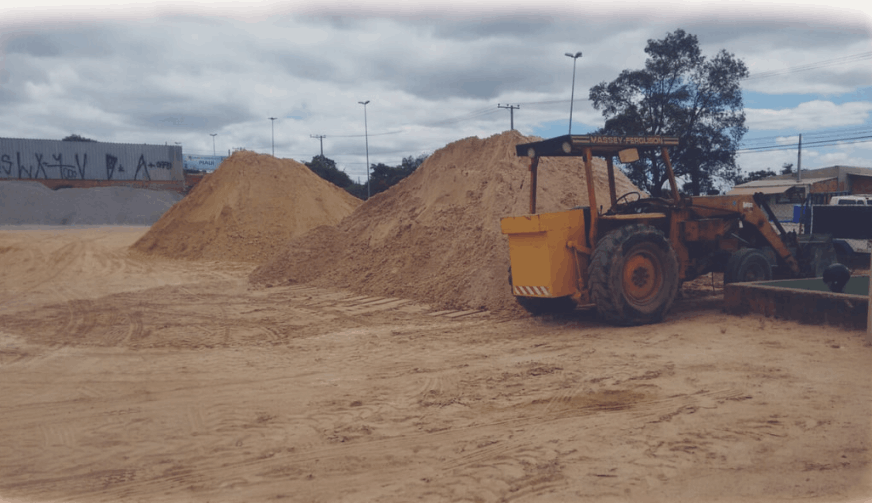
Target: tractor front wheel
(633, 275)
(747, 264)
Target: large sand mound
(435, 237)
(252, 204)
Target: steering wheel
(626, 198)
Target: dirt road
(126, 378)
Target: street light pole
(572, 99)
(213, 135)
(366, 135)
(273, 127)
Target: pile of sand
(32, 203)
(435, 237)
(245, 210)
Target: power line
(812, 144)
(821, 134)
(853, 58)
(484, 112)
(362, 135)
(475, 114)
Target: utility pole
(366, 134)
(320, 138)
(272, 121)
(799, 161)
(511, 113)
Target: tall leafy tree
(382, 177)
(753, 176)
(326, 169)
(679, 93)
(75, 137)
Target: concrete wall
(23, 159)
(805, 306)
(831, 185)
(860, 184)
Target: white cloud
(856, 154)
(811, 115)
(170, 72)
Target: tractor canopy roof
(599, 145)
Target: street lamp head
(364, 102)
(574, 56)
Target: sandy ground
(126, 378)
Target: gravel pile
(32, 203)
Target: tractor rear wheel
(747, 264)
(633, 275)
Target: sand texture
(435, 237)
(246, 210)
(132, 377)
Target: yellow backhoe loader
(631, 259)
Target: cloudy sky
(179, 72)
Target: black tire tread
(607, 305)
(738, 259)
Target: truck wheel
(633, 275)
(747, 264)
(544, 305)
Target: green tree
(410, 164)
(679, 93)
(326, 169)
(75, 137)
(787, 168)
(753, 176)
(382, 177)
(357, 190)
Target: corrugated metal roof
(769, 189)
(774, 186)
(786, 183)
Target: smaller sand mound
(435, 237)
(245, 210)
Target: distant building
(783, 192)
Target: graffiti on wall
(46, 159)
(55, 167)
(141, 167)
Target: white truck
(852, 246)
(853, 200)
